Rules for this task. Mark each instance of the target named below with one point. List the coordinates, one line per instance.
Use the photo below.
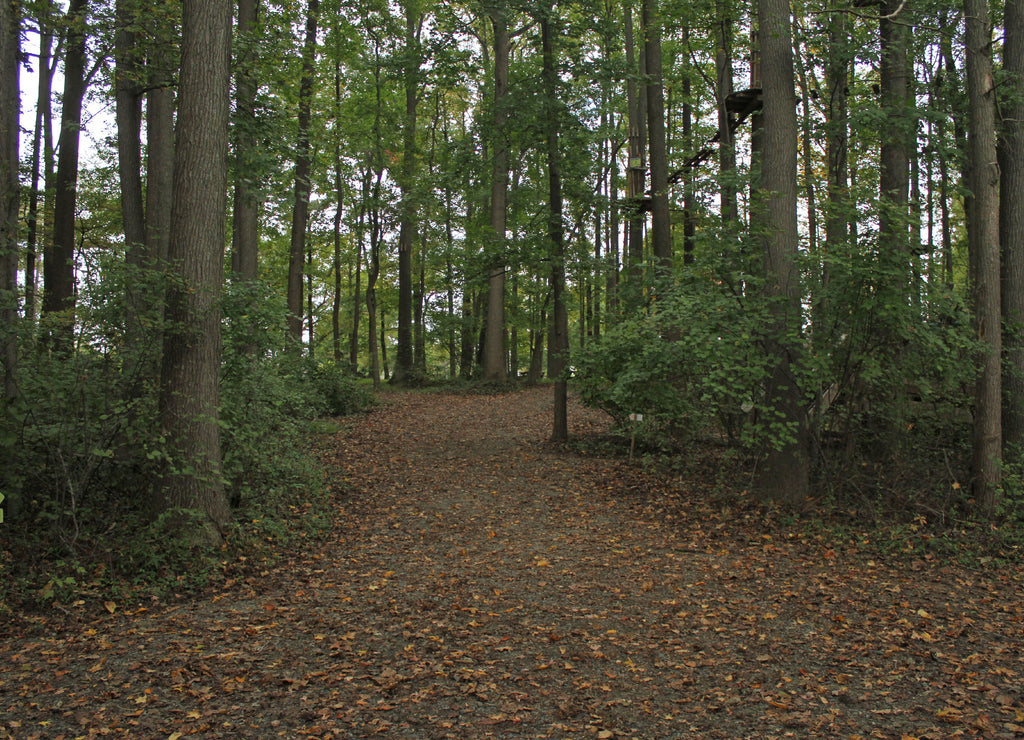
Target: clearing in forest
(482, 583)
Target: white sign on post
(636, 417)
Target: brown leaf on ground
(481, 583)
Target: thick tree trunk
(785, 475)
(303, 157)
(190, 373)
(405, 351)
(1011, 223)
(59, 260)
(10, 95)
(894, 175)
(494, 338)
(159, 155)
(983, 239)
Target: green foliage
(690, 361)
(84, 451)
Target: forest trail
(483, 583)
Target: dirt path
(482, 584)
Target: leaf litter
(480, 582)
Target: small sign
(636, 417)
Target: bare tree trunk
(42, 151)
(559, 342)
(494, 338)
(785, 475)
(160, 153)
(1011, 223)
(303, 156)
(245, 221)
(59, 261)
(894, 176)
(190, 373)
(128, 86)
(837, 230)
(10, 104)
(983, 238)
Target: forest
(791, 230)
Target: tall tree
(661, 223)
(1011, 221)
(10, 104)
(303, 165)
(558, 346)
(785, 474)
(723, 89)
(494, 337)
(190, 371)
(636, 174)
(413, 60)
(894, 174)
(245, 218)
(59, 260)
(42, 155)
(983, 238)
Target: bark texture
(190, 372)
(983, 240)
(784, 476)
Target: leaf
(110, 606)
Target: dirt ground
(483, 583)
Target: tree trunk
(837, 230)
(128, 109)
(637, 167)
(405, 354)
(784, 477)
(559, 341)
(983, 240)
(726, 141)
(160, 154)
(10, 104)
(372, 273)
(59, 260)
(303, 157)
(494, 338)
(42, 152)
(190, 373)
(894, 175)
(245, 220)
(1011, 223)
(661, 223)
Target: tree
(1011, 222)
(58, 261)
(785, 474)
(559, 341)
(245, 218)
(661, 224)
(190, 371)
(303, 163)
(413, 59)
(494, 337)
(10, 96)
(983, 235)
